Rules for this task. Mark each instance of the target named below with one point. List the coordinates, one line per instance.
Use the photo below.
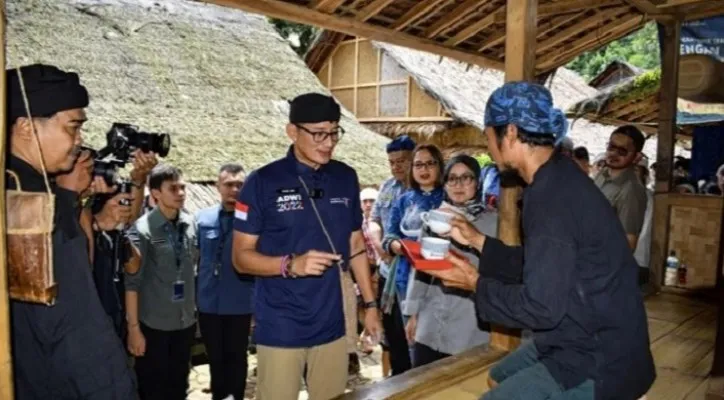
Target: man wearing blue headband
(399, 155)
(573, 282)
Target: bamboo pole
(6, 362)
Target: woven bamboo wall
(694, 234)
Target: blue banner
(704, 36)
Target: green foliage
(640, 49)
(642, 86)
(300, 36)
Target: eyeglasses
(321, 136)
(621, 151)
(465, 180)
(426, 165)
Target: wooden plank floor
(682, 332)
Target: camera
(122, 140)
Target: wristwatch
(370, 304)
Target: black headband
(49, 90)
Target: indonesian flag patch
(241, 211)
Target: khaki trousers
(279, 371)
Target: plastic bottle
(672, 270)
(682, 274)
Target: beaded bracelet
(285, 266)
(283, 269)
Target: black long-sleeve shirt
(68, 350)
(577, 288)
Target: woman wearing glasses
(425, 194)
(443, 320)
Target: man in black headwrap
(297, 221)
(68, 350)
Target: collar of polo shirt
(303, 169)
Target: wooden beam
(327, 6)
(474, 28)
(593, 40)
(492, 41)
(645, 6)
(300, 14)
(714, 10)
(372, 9)
(677, 3)
(6, 359)
(585, 25)
(715, 391)
(549, 9)
(571, 6)
(415, 13)
(665, 149)
(451, 18)
(555, 23)
(355, 92)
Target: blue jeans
(520, 376)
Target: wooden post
(665, 151)
(520, 44)
(716, 375)
(6, 361)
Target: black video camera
(122, 140)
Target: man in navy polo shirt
(223, 296)
(297, 221)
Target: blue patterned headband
(527, 105)
(401, 143)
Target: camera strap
(345, 280)
(319, 219)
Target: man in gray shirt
(620, 184)
(160, 292)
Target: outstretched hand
(462, 275)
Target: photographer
(107, 213)
(68, 350)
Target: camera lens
(162, 144)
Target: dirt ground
(371, 371)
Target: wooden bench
(460, 377)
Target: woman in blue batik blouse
(404, 222)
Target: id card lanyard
(178, 294)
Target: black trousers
(395, 335)
(425, 355)
(226, 338)
(163, 372)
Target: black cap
(48, 88)
(311, 108)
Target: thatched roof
(463, 90)
(614, 73)
(635, 100)
(216, 78)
